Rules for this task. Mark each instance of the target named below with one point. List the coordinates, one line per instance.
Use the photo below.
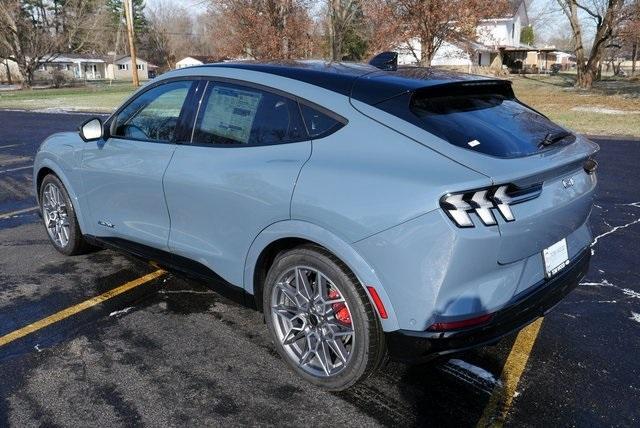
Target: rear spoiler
(470, 87)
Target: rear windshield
(490, 122)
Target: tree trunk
(426, 54)
(586, 76)
(6, 64)
(334, 34)
(634, 56)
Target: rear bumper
(416, 346)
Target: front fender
(345, 252)
(64, 159)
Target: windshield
(495, 124)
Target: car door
(237, 175)
(122, 174)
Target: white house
(119, 68)
(76, 66)
(194, 60)
(494, 37)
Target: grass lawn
(98, 97)
(612, 107)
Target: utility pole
(128, 13)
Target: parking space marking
(66, 313)
(16, 169)
(502, 397)
(9, 145)
(18, 212)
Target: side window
(240, 115)
(154, 114)
(318, 123)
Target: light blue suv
(403, 212)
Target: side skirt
(177, 264)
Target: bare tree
(34, 32)
(629, 34)
(171, 34)
(607, 15)
(435, 21)
(383, 32)
(341, 18)
(261, 29)
(26, 35)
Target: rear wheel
(321, 319)
(60, 218)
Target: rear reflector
(378, 302)
(456, 325)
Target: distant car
(367, 212)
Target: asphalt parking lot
(172, 352)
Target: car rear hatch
(481, 124)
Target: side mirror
(91, 130)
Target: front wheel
(60, 218)
(321, 319)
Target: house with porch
(75, 66)
(497, 44)
(93, 67)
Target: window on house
(123, 66)
(140, 66)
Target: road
(172, 352)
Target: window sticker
(230, 113)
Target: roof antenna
(385, 61)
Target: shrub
(59, 78)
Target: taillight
(457, 325)
(482, 202)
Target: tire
(289, 315)
(57, 208)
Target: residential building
(194, 60)
(119, 68)
(76, 66)
(497, 44)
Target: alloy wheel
(55, 214)
(312, 321)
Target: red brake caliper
(340, 309)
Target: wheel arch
(292, 233)
(47, 166)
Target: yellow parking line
(502, 397)
(65, 313)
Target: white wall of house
(448, 54)
(188, 62)
(504, 31)
(490, 33)
(121, 69)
